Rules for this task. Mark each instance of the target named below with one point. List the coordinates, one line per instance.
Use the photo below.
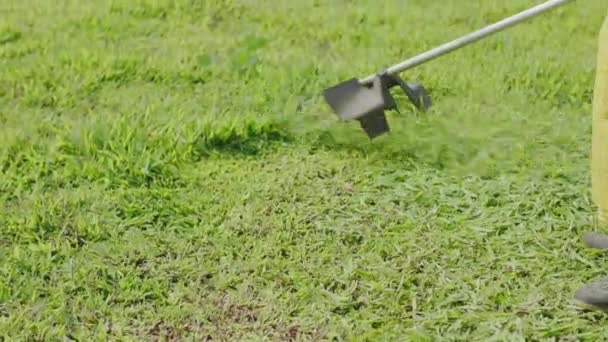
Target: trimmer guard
(352, 100)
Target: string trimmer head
(367, 100)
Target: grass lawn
(169, 170)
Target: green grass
(170, 171)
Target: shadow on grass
(245, 140)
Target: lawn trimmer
(367, 99)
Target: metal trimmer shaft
(367, 99)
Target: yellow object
(599, 151)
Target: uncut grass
(197, 68)
(170, 171)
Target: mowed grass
(170, 171)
